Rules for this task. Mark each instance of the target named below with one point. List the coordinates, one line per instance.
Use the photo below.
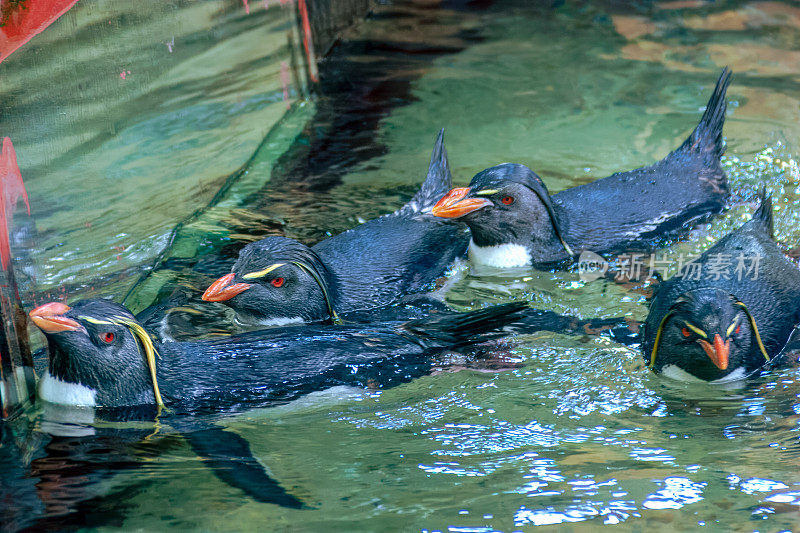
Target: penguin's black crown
(275, 281)
(270, 250)
(496, 176)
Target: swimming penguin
(730, 311)
(277, 281)
(515, 221)
(101, 356)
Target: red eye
(107, 337)
(277, 282)
(508, 200)
(738, 329)
(686, 332)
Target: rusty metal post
(17, 379)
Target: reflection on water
(581, 433)
(128, 117)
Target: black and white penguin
(728, 314)
(515, 221)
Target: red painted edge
(12, 188)
(301, 5)
(38, 15)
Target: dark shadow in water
(88, 481)
(50, 483)
(361, 82)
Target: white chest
(282, 321)
(54, 390)
(500, 255)
(248, 321)
(678, 374)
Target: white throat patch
(679, 374)
(281, 321)
(249, 322)
(736, 375)
(54, 390)
(500, 255)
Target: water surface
(579, 433)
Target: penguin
(730, 311)
(278, 281)
(515, 221)
(101, 356)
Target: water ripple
(677, 492)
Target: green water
(128, 117)
(580, 434)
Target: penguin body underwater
(514, 221)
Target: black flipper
(230, 458)
(707, 136)
(618, 329)
(764, 212)
(437, 182)
(517, 317)
(465, 328)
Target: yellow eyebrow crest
(262, 273)
(656, 343)
(755, 330)
(486, 192)
(145, 341)
(731, 327)
(696, 330)
(95, 321)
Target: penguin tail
(764, 212)
(438, 181)
(707, 136)
(466, 328)
(618, 329)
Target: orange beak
(719, 352)
(222, 290)
(48, 318)
(454, 204)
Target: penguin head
(99, 355)
(276, 281)
(708, 334)
(505, 204)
